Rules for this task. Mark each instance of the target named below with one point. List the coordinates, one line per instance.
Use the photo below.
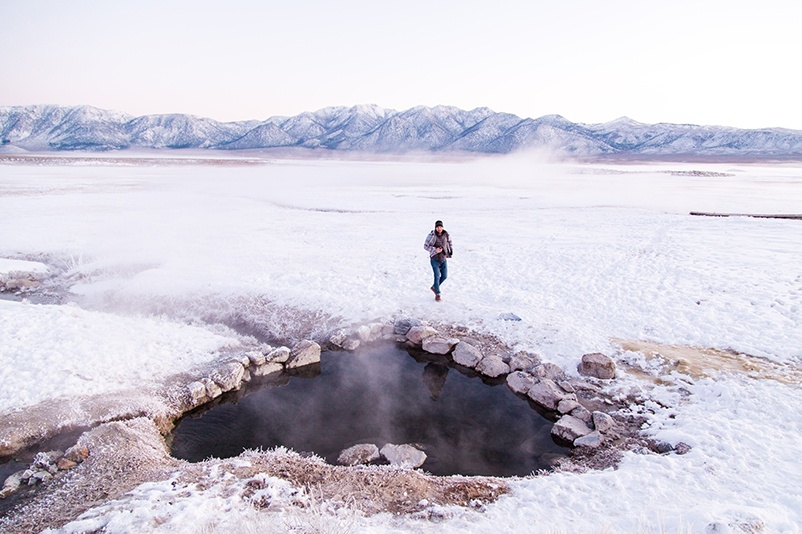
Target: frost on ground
(65, 366)
(138, 487)
(103, 350)
(155, 272)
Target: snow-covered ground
(584, 254)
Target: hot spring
(379, 395)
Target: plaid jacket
(443, 241)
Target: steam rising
(381, 396)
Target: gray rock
(304, 353)
(361, 454)
(597, 365)
(197, 393)
(566, 405)
(377, 330)
(524, 361)
(520, 382)
(417, 334)
(492, 366)
(580, 412)
(402, 326)
(568, 428)
(47, 461)
(583, 385)
(466, 354)
(212, 389)
(590, 441)
(663, 447)
(242, 358)
(602, 421)
(364, 333)
(566, 386)
(682, 448)
(278, 355)
(256, 357)
(268, 368)
(552, 371)
(508, 316)
(403, 455)
(351, 344)
(228, 376)
(547, 394)
(438, 345)
(338, 338)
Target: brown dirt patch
(700, 362)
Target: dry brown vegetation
(123, 455)
(370, 489)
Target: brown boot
(437, 297)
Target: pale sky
(719, 62)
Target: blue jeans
(440, 269)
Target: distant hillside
(373, 129)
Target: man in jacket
(438, 244)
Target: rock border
(232, 372)
(544, 384)
(585, 418)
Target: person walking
(438, 245)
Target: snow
(378, 130)
(52, 352)
(8, 266)
(584, 254)
(181, 507)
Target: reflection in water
(434, 376)
(380, 396)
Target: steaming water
(380, 396)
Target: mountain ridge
(371, 128)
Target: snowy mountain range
(370, 128)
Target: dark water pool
(382, 395)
